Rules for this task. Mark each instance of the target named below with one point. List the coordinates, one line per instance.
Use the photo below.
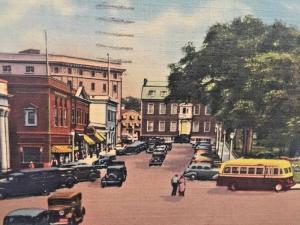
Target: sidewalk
(89, 160)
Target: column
(7, 141)
(2, 140)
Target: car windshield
(59, 201)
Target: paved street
(144, 199)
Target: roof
(154, 92)
(32, 212)
(257, 162)
(64, 194)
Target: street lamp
(232, 134)
(73, 143)
(217, 133)
(224, 140)
(220, 137)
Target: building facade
(4, 133)
(170, 119)
(44, 111)
(99, 77)
(131, 125)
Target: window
(163, 94)
(104, 74)
(70, 84)
(55, 117)
(115, 75)
(92, 73)
(6, 68)
(29, 69)
(227, 170)
(73, 116)
(259, 170)
(93, 86)
(78, 116)
(174, 108)
(56, 70)
(173, 126)
(207, 110)
(251, 170)
(104, 87)
(150, 126)
(196, 126)
(115, 88)
(31, 154)
(69, 71)
(30, 116)
(207, 126)
(61, 117)
(151, 93)
(150, 108)
(80, 84)
(235, 170)
(286, 170)
(80, 72)
(162, 108)
(197, 109)
(65, 117)
(161, 126)
(243, 170)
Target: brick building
(131, 125)
(99, 77)
(44, 111)
(170, 119)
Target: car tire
(2, 195)
(233, 186)
(45, 190)
(92, 177)
(193, 177)
(70, 184)
(120, 184)
(103, 185)
(278, 187)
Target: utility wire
(114, 20)
(115, 34)
(104, 5)
(114, 47)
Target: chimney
(145, 82)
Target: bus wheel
(232, 187)
(278, 187)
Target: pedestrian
(54, 162)
(174, 183)
(31, 165)
(182, 185)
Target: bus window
(281, 172)
(251, 170)
(243, 170)
(227, 170)
(290, 170)
(235, 170)
(275, 171)
(259, 170)
(286, 170)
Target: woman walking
(182, 185)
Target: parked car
(201, 159)
(66, 208)
(169, 145)
(133, 148)
(157, 159)
(83, 172)
(150, 149)
(161, 149)
(115, 175)
(102, 162)
(35, 181)
(111, 154)
(27, 216)
(200, 171)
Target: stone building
(131, 125)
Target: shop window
(31, 154)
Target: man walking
(174, 182)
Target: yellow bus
(244, 173)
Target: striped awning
(99, 137)
(61, 149)
(88, 140)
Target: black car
(115, 175)
(134, 148)
(150, 149)
(83, 172)
(157, 159)
(27, 216)
(182, 138)
(102, 163)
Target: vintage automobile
(102, 163)
(150, 149)
(133, 148)
(27, 216)
(65, 208)
(112, 154)
(201, 171)
(35, 181)
(161, 149)
(115, 175)
(83, 172)
(157, 159)
(201, 159)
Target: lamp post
(73, 147)
(217, 133)
(220, 137)
(224, 140)
(232, 134)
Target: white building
(4, 140)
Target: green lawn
(296, 174)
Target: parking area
(145, 198)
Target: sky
(160, 29)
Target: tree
(247, 71)
(132, 103)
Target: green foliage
(248, 72)
(132, 103)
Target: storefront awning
(61, 149)
(99, 136)
(88, 140)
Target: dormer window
(30, 116)
(163, 94)
(151, 93)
